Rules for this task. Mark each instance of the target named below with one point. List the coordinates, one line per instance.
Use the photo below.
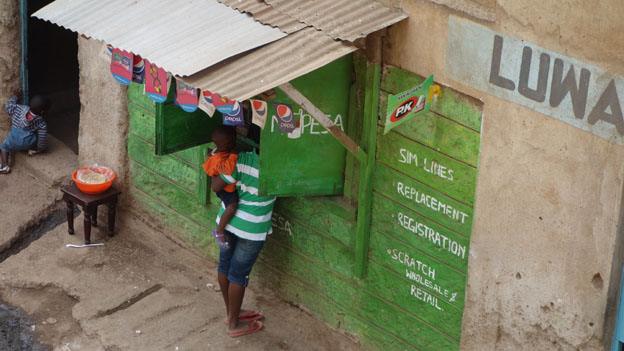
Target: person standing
(245, 234)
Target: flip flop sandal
(252, 327)
(248, 316)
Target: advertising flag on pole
(156, 82)
(186, 96)
(259, 112)
(404, 106)
(138, 70)
(205, 103)
(286, 119)
(121, 66)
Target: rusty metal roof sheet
(341, 19)
(183, 37)
(266, 14)
(272, 65)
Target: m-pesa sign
(562, 87)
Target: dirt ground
(142, 290)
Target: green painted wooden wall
(309, 259)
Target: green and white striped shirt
(252, 220)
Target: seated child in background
(223, 162)
(29, 130)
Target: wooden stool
(89, 204)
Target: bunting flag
(138, 70)
(259, 112)
(285, 118)
(225, 105)
(156, 82)
(205, 103)
(121, 66)
(236, 119)
(186, 96)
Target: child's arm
(226, 217)
(217, 184)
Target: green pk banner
(406, 105)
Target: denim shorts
(237, 260)
(19, 140)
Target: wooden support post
(367, 165)
(322, 118)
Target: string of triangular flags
(126, 68)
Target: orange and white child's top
(222, 163)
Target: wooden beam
(369, 142)
(322, 118)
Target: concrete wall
(548, 196)
(9, 51)
(103, 112)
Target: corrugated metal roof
(341, 19)
(266, 14)
(272, 65)
(183, 37)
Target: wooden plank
(451, 104)
(417, 232)
(142, 123)
(367, 167)
(454, 178)
(136, 96)
(315, 245)
(423, 199)
(177, 172)
(188, 230)
(370, 307)
(322, 118)
(440, 134)
(171, 196)
(392, 260)
(317, 214)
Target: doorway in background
(52, 56)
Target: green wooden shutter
(314, 163)
(178, 130)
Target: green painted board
(179, 173)
(362, 300)
(317, 214)
(307, 242)
(440, 134)
(142, 123)
(423, 199)
(311, 162)
(456, 179)
(390, 218)
(392, 259)
(178, 130)
(167, 193)
(451, 104)
(176, 222)
(136, 96)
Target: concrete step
(52, 167)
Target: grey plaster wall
(103, 112)
(9, 52)
(549, 195)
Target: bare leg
(224, 284)
(4, 156)
(236, 293)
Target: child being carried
(222, 162)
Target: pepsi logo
(207, 96)
(259, 107)
(284, 113)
